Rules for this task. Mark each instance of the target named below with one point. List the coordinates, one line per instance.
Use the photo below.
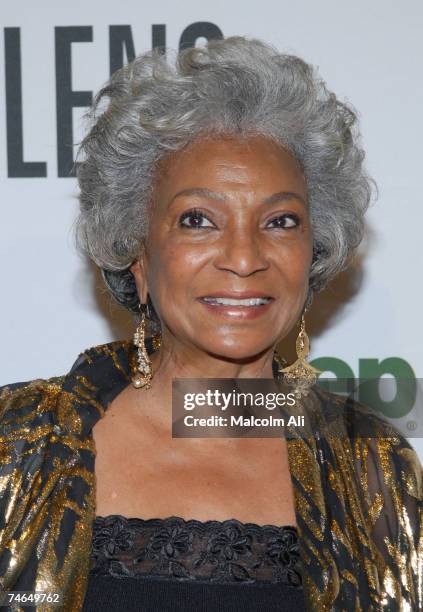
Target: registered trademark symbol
(411, 425)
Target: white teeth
(234, 302)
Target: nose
(241, 252)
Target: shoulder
(15, 396)
(72, 401)
(377, 477)
(36, 414)
(19, 400)
(381, 453)
(24, 404)
(27, 420)
(27, 424)
(105, 351)
(344, 414)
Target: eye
(286, 221)
(195, 219)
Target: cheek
(174, 269)
(294, 265)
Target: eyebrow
(280, 196)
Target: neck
(180, 361)
(170, 362)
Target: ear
(309, 300)
(138, 269)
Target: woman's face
(230, 221)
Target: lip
(238, 313)
(237, 295)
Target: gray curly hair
(235, 86)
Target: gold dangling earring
(144, 375)
(281, 361)
(301, 372)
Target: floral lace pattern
(190, 550)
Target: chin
(236, 351)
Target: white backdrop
(371, 54)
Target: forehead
(230, 160)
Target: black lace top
(175, 564)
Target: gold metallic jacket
(358, 498)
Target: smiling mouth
(245, 302)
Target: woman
(216, 197)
